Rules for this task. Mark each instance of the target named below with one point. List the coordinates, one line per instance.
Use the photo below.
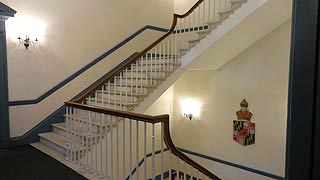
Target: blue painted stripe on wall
(233, 164)
(142, 161)
(79, 72)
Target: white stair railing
(144, 149)
(104, 138)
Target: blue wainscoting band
(233, 164)
(57, 116)
(79, 72)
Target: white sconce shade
(190, 108)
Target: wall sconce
(27, 41)
(190, 109)
(188, 116)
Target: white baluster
(145, 150)
(101, 147)
(191, 168)
(153, 152)
(96, 141)
(124, 148)
(141, 75)
(209, 10)
(120, 93)
(111, 145)
(115, 94)
(203, 13)
(68, 133)
(137, 149)
(117, 145)
(130, 144)
(185, 171)
(162, 139)
(109, 92)
(108, 125)
(177, 170)
(170, 165)
(87, 121)
(168, 55)
(146, 65)
(131, 83)
(137, 76)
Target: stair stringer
(227, 25)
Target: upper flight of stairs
(129, 89)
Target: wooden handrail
(164, 119)
(119, 113)
(175, 151)
(174, 23)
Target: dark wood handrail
(164, 119)
(167, 139)
(119, 113)
(174, 23)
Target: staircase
(102, 132)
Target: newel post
(5, 13)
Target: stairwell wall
(259, 74)
(76, 32)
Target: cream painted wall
(77, 32)
(259, 74)
(182, 6)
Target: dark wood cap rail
(174, 23)
(119, 113)
(164, 119)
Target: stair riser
(153, 62)
(59, 131)
(153, 68)
(137, 81)
(128, 89)
(52, 145)
(112, 106)
(117, 97)
(144, 75)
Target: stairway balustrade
(105, 136)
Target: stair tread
(139, 70)
(203, 32)
(194, 40)
(60, 125)
(142, 78)
(55, 138)
(214, 22)
(133, 85)
(152, 62)
(226, 12)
